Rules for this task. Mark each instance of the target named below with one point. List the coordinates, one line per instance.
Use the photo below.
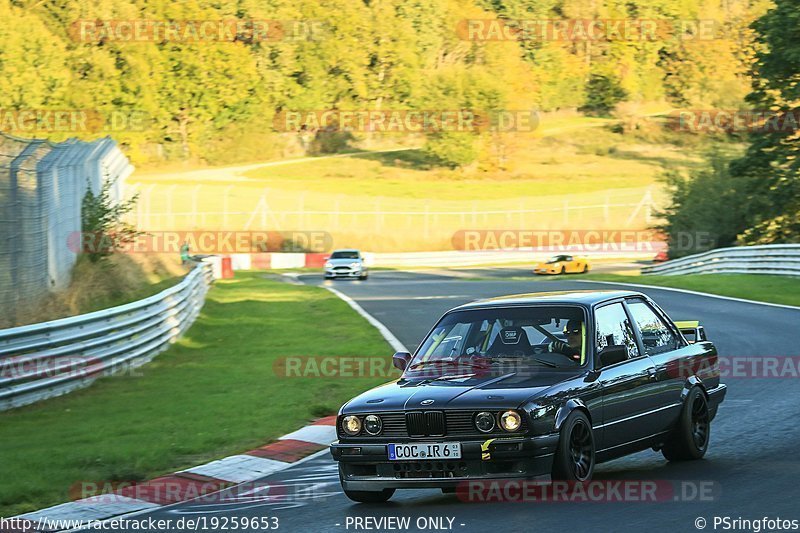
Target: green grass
(774, 289)
(214, 393)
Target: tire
(563, 270)
(575, 454)
(690, 438)
(363, 277)
(585, 269)
(368, 496)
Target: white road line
(687, 291)
(393, 341)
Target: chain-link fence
(42, 186)
(381, 224)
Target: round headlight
(351, 425)
(373, 424)
(510, 421)
(484, 422)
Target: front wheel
(689, 440)
(362, 277)
(368, 496)
(574, 459)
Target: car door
(662, 344)
(625, 385)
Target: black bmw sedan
(523, 386)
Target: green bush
(603, 93)
(703, 212)
(451, 149)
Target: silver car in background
(346, 264)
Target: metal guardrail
(48, 359)
(782, 259)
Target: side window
(656, 336)
(614, 328)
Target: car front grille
(426, 424)
(418, 424)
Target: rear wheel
(563, 270)
(690, 438)
(585, 268)
(368, 496)
(574, 459)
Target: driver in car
(573, 347)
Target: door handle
(652, 374)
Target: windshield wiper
(450, 362)
(523, 358)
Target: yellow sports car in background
(563, 264)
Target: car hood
(472, 392)
(343, 262)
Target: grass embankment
(115, 280)
(763, 288)
(214, 393)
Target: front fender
(569, 406)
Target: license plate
(425, 451)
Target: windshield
(556, 259)
(344, 255)
(512, 338)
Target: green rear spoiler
(692, 330)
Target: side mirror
(611, 355)
(400, 360)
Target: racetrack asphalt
(751, 470)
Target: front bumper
(349, 273)
(503, 458)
